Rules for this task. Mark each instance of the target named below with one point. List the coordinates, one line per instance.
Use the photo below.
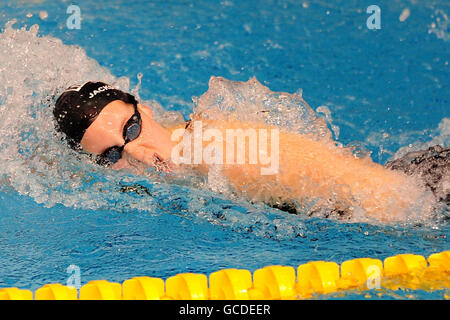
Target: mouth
(161, 165)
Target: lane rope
(272, 282)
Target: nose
(152, 144)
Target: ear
(146, 110)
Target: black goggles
(131, 131)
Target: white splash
(252, 101)
(34, 70)
(439, 26)
(441, 136)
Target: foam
(439, 26)
(35, 163)
(34, 70)
(439, 136)
(252, 101)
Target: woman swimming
(309, 174)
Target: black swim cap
(79, 106)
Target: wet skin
(308, 168)
(107, 131)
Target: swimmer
(115, 130)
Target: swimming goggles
(131, 131)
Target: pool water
(387, 91)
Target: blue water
(393, 81)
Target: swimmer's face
(153, 145)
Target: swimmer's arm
(309, 168)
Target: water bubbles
(43, 15)
(326, 111)
(439, 26)
(404, 15)
(252, 101)
(135, 91)
(37, 163)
